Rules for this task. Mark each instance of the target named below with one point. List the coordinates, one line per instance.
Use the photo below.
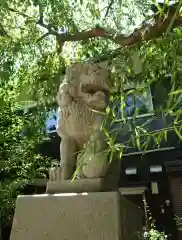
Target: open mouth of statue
(94, 88)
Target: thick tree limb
(147, 33)
(85, 35)
(144, 33)
(156, 30)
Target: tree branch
(80, 36)
(48, 27)
(148, 32)
(42, 37)
(42, 24)
(108, 8)
(18, 12)
(144, 33)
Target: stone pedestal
(75, 186)
(87, 216)
(108, 183)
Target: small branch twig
(42, 37)
(18, 12)
(108, 8)
(42, 24)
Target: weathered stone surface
(76, 186)
(92, 216)
(82, 101)
(131, 219)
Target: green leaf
(157, 6)
(138, 142)
(165, 136)
(176, 92)
(111, 155)
(108, 110)
(178, 132)
(4, 3)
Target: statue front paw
(55, 174)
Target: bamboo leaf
(165, 136)
(138, 142)
(178, 132)
(176, 92)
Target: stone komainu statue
(82, 100)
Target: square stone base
(86, 216)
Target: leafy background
(39, 38)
